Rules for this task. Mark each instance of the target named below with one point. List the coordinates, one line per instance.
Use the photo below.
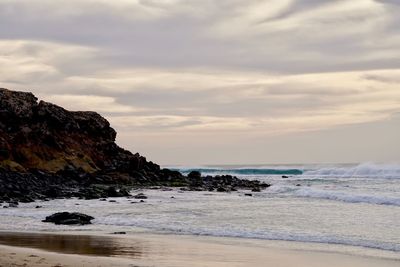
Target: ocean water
(346, 205)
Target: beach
(175, 133)
(168, 251)
(314, 219)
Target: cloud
(207, 68)
(198, 99)
(275, 36)
(90, 102)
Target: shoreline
(145, 249)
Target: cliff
(43, 136)
(49, 152)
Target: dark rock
(285, 176)
(119, 233)
(112, 192)
(123, 192)
(46, 137)
(194, 175)
(38, 207)
(68, 218)
(140, 196)
(248, 195)
(13, 205)
(47, 152)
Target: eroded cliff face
(43, 136)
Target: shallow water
(75, 244)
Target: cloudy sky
(218, 81)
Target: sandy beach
(166, 250)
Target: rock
(68, 218)
(248, 195)
(48, 152)
(123, 192)
(285, 176)
(13, 205)
(194, 175)
(119, 233)
(46, 137)
(112, 192)
(140, 196)
(38, 207)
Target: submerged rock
(68, 218)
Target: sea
(352, 206)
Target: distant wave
(243, 171)
(366, 170)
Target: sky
(196, 82)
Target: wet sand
(44, 249)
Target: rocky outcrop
(43, 136)
(48, 152)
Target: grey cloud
(184, 40)
(297, 7)
(381, 78)
(207, 103)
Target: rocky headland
(49, 152)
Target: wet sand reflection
(76, 244)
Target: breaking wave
(242, 171)
(366, 170)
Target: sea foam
(346, 197)
(371, 170)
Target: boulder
(140, 196)
(194, 175)
(68, 218)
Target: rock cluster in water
(49, 152)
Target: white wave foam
(347, 197)
(362, 170)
